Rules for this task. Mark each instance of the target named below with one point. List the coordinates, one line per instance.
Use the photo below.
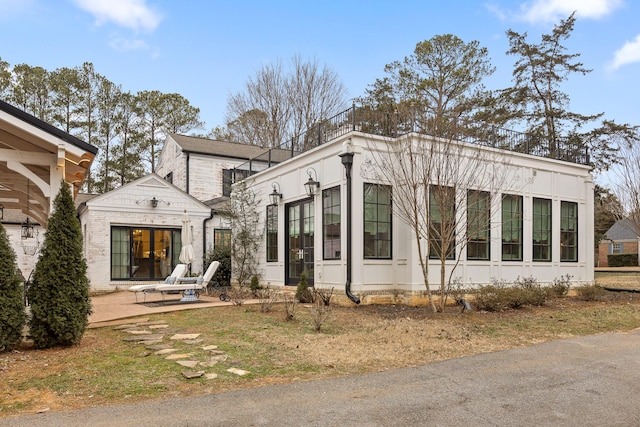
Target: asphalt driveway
(588, 381)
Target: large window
(231, 176)
(377, 221)
(541, 229)
(221, 238)
(272, 233)
(511, 228)
(331, 223)
(143, 253)
(442, 222)
(568, 231)
(478, 224)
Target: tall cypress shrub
(59, 294)
(12, 314)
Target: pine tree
(12, 315)
(59, 295)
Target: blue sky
(206, 50)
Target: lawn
(106, 369)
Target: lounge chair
(190, 286)
(178, 273)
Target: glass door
(300, 235)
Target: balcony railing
(392, 125)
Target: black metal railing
(393, 125)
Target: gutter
(204, 237)
(187, 172)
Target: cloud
(125, 45)
(133, 14)
(551, 11)
(627, 54)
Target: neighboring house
(35, 157)
(552, 198)
(622, 237)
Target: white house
(367, 252)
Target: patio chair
(178, 273)
(190, 286)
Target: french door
(300, 256)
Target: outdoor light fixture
(26, 231)
(153, 202)
(311, 184)
(275, 195)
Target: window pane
(478, 224)
(442, 233)
(511, 227)
(272, 233)
(331, 223)
(541, 229)
(568, 231)
(377, 221)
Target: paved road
(589, 381)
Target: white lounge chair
(178, 273)
(190, 286)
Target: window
(143, 253)
(541, 229)
(478, 224)
(272, 233)
(221, 238)
(511, 228)
(616, 248)
(331, 223)
(169, 177)
(442, 222)
(231, 176)
(568, 231)
(377, 221)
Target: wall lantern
(153, 202)
(26, 230)
(275, 195)
(311, 184)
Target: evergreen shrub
(12, 313)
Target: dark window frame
(515, 228)
(569, 235)
(271, 231)
(331, 228)
(382, 248)
(541, 230)
(478, 235)
(220, 237)
(435, 240)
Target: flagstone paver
(147, 337)
(237, 371)
(184, 336)
(188, 363)
(191, 375)
(211, 376)
(209, 347)
(175, 356)
(165, 351)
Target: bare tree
(627, 184)
(247, 233)
(446, 192)
(278, 103)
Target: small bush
(267, 298)
(622, 260)
(222, 276)
(320, 313)
(323, 295)
(491, 297)
(303, 293)
(238, 295)
(290, 304)
(254, 285)
(591, 292)
(561, 286)
(500, 295)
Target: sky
(206, 50)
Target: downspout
(347, 160)
(204, 237)
(187, 172)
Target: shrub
(323, 295)
(59, 294)
(561, 286)
(591, 292)
(12, 314)
(622, 260)
(303, 293)
(222, 276)
(491, 297)
(320, 313)
(267, 298)
(254, 285)
(290, 304)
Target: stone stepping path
(152, 334)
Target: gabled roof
(214, 147)
(622, 229)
